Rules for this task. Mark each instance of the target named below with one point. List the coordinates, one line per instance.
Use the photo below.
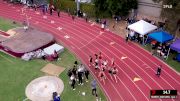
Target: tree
(100, 7)
(171, 11)
(114, 7)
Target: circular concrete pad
(41, 89)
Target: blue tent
(161, 36)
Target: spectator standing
(86, 72)
(127, 37)
(68, 11)
(73, 17)
(80, 77)
(73, 82)
(75, 63)
(69, 73)
(35, 7)
(43, 9)
(74, 72)
(132, 33)
(93, 86)
(58, 12)
(51, 9)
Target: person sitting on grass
(56, 97)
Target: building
(149, 8)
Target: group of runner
(102, 66)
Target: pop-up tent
(161, 36)
(142, 27)
(176, 46)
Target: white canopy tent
(142, 27)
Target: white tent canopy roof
(142, 27)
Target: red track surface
(86, 40)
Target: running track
(87, 39)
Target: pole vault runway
(136, 66)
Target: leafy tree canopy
(114, 7)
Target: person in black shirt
(75, 63)
(159, 71)
(90, 60)
(80, 78)
(86, 72)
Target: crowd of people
(78, 74)
(160, 50)
(103, 67)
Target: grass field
(15, 74)
(5, 24)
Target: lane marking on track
(101, 32)
(147, 67)
(107, 29)
(52, 22)
(22, 14)
(72, 47)
(93, 24)
(136, 79)
(17, 10)
(29, 17)
(37, 22)
(31, 9)
(123, 57)
(112, 43)
(9, 4)
(37, 13)
(45, 17)
(66, 36)
(90, 41)
(90, 20)
(59, 28)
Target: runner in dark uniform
(90, 60)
